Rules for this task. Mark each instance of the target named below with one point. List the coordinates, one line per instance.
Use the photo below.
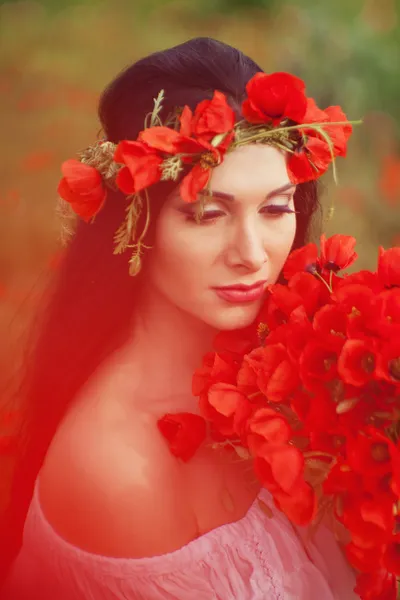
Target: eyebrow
(231, 197)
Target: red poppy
(358, 301)
(379, 584)
(313, 291)
(184, 432)
(363, 277)
(280, 467)
(389, 266)
(266, 426)
(309, 161)
(317, 364)
(321, 415)
(337, 252)
(294, 334)
(391, 557)
(365, 559)
(211, 118)
(388, 313)
(330, 323)
(272, 98)
(388, 361)
(300, 506)
(302, 259)
(195, 181)
(197, 141)
(284, 299)
(370, 452)
(341, 479)
(314, 114)
(8, 444)
(339, 134)
(277, 376)
(142, 166)
(226, 407)
(170, 141)
(357, 361)
(82, 186)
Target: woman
(107, 511)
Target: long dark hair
(92, 299)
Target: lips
(242, 286)
(240, 293)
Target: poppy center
(208, 160)
(331, 266)
(380, 452)
(368, 363)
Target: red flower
(341, 479)
(321, 416)
(339, 134)
(357, 362)
(330, 323)
(82, 186)
(276, 374)
(280, 467)
(197, 141)
(302, 259)
(272, 98)
(164, 139)
(266, 426)
(377, 585)
(195, 181)
(358, 301)
(184, 432)
(211, 118)
(142, 166)
(364, 278)
(227, 408)
(391, 558)
(365, 559)
(314, 114)
(337, 252)
(388, 361)
(309, 161)
(388, 317)
(370, 452)
(313, 291)
(317, 364)
(389, 266)
(300, 506)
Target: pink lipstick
(240, 293)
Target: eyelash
(273, 210)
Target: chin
(236, 317)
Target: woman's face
(244, 238)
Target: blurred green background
(57, 55)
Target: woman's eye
(210, 215)
(277, 209)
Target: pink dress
(255, 558)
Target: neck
(167, 346)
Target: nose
(247, 247)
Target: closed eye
(277, 209)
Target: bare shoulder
(108, 485)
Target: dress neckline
(193, 550)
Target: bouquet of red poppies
(311, 394)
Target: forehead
(253, 169)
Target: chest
(148, 501)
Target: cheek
(181, 254)
(280, 242)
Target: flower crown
(276, 112)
